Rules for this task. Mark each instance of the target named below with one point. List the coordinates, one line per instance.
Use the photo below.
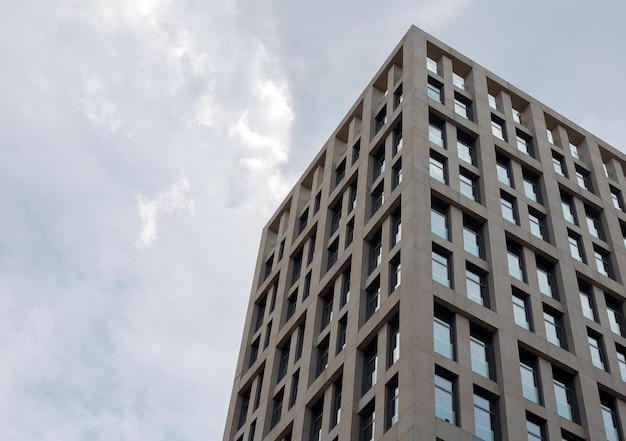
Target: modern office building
(449, 267)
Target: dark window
(370, 365)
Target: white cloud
(98, 108)
(175, 198)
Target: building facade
(449, 267)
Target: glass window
(392, 400)
(458, 80)
(398, 97)
(395, 273)
(444, 333)
(340, 172)
(565, 395)
(549, 134)
(531, 187)
(568, 209)
(372, 294)
(333, 253)
(574, 151)
(435, 90)
(431, 65)
(586, 302)
(438, 168)
(503, 166)
(472, 240)
(597, 350)
(283, 362)
(508, 206)
(396, 176)
(462, 106)
(244, 404)
(534, 430)
(576, 247)
(439, 221)
(465, 149)
(594, 223)
(342, 329)
(445, 400)
(376, 249)
(316, 421)
(441, 268)
(380, 120)
(524, 144)
(515, 264)
(480, 349)
(537, 223)
(367, 423)
(616, 198)
(621, 359)
(435, 133)
(553, 322)
(497, 128)
(517, 115)
(277, 408)
(476, 285)
(583, 178)
(559, 164)
(492, 101)
(521, 310)
(322, 356)
(609, 417)
(616, 318)
(397, 138)
(546, 279)
(336, 405)
(529, 374)
(378, 161)
(468, 185)
(396, 228)
(394, 341)
(370, 365)
(378, 197)
(327, 309)
(603, 261)
(485, 418)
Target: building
(449, 267)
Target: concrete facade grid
(348, 262)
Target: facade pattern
(449, 267)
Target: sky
(145, 143)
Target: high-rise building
(449, 267)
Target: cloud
(101, 111)
(175, 198)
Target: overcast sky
(145, 144)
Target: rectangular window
(342, 329)
(497, 128)
(356, 151)
(367, 419)
(586, 302)
(530, 380)
(244, 404)
(524, 143)
(436, 132)
(492, 101)
(616, 198)
(535, 430)
(476, 284)
(375, 251)
(378, 197)
(349, 232)
(443, 329)
(392, 394)
(395, 273)
(546, 278)
(445, 397)
(431, 65)
(336, 409)
(616, 318)
(397, 139)
(503, 166)
(509, 207)
(396, 174)
(515, 262)
(441, 267)
(438, 169)
(327, 309)
(472, 238)
(583, 178)
(340, 172)
(532, 189)
(260, 313)
(553, 322)
(322, 356)
(610, 419)
(481, 352)
(603, 261)
(558, 162)
(293, 395)
(296, 267)
(485, 417)
(435, 90)
(550, 137)
(458, 81)
(468, 185)
(254, 351)
(596, 349)
(521, 310)
(576, 246)
(574, 151)
(277, 408)
(537, 222)
(370, 365)
(465, 148)
(335, 217)
(565, 395)
(594, 223)
(396, 228)
(621, 360)
(462, 106)
(316, 421)
(394, 341)
(398, 97)
(333, 253)
(283, 362)
(380, 119)
(345, 288)
(567, 205)
(372, 294)
(378, 162)
(439, 220)
(302, 220)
